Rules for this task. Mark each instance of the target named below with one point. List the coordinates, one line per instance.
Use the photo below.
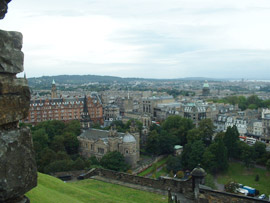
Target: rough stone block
(18, 172)
(11, 56)
(14, 99)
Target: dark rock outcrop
(3, 8)
(18, 171)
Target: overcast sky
(144, 38)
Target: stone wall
(18, 172)
(176, 185)
(208, 196)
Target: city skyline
(145, 39)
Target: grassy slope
(53, 190)
(150, 169)
(240, 174)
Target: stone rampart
(208, 196)
(163, 183)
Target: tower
(53, 90)
(85, 118)
(206, 89)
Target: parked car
(262, 196)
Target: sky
(144, 38)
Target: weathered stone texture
(14, 105)
(11, 56)
(3, 8)
(18, 172)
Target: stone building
(206, 89)
(94, 142)
(266, 122)
(111, 113)
(53, 90)
(149, 103)
(195, 111)
(65, 109)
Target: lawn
(238, 173)
(53, 190)
(152, 168)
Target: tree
(268, 165)
(206, 128)
(153, 143)
(71, 143)
(174, 163)
(231, 141)
(247, 154)
(193, 135)
(114, 161)
(178, 126)
(192, 154)
(259, 150)
(215, 157)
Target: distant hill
(53, 190)
(82, 79)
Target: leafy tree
(179, 127)
(231, 187)
(57, 144)
(174, 163)
(114, 161)
(206, 128)
(247, 154)
(231, 141)
(215, 157)
(71, 143)
(59, 165)
(268, 165)
(192, 154)
(74, 127)
(167, 142)
(259, 150)
(79, 164)
(193, 135)
(93, 161)
(153, 143)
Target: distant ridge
(81, 79)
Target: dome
(206, 85)
(198, 172)
(129, 138)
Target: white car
(242, 191)
(262, 196)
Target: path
(220, 187)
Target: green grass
(151, 169)
(238, 173)
(209, 181)
(53, 190)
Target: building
(195, 111)
(94, 142)
(66, 109)
(206, 89)
(53, 90)
(149, 103)
(111, 113)
(266, 122)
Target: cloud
(143, 38)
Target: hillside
(53, 190)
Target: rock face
(18, 171)
(11, 56)
(3, 8)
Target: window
(100, 150)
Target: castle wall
(176, 185)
